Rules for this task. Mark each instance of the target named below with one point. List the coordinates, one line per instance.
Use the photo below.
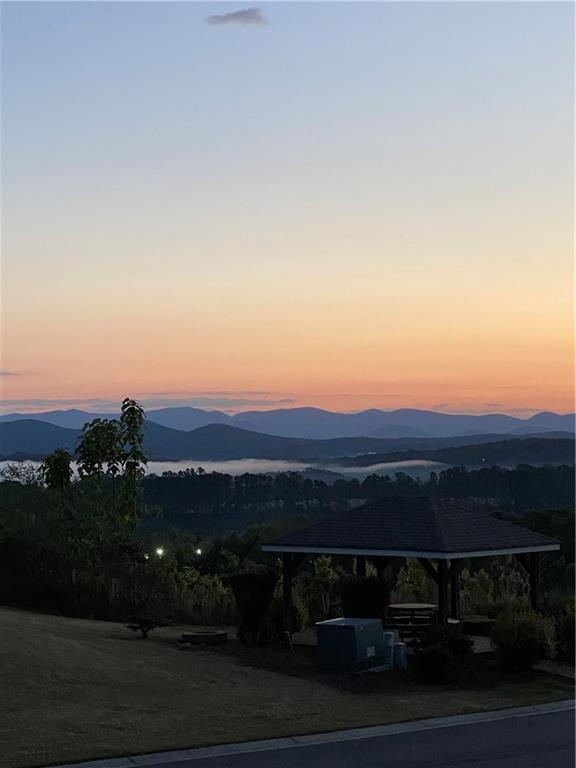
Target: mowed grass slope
(73, 689)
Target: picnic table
(413, 608)
(411, 620)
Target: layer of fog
(413, 467)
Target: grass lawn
(73, 689)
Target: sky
(344, 205)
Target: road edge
(349, 734)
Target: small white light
(159, 551)
(146, 557)
(198, 551)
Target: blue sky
(237, 196)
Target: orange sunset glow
(366, 231)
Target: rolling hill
(29, 439)
(32, 439)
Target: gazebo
(441, 533)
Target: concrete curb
(351, 734)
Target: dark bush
(434, 664)
(146, 593)
(522, 637)
(144, 626)
(443, 655)
(481, 626)
(365, 598)
(565, 632)
(253, 593)
(276, 617)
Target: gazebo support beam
(534, 565)
(290, 563)
(530, 563)
(347, 562)
(441, 578)
(361, 566)
(429, 568)
(287, 590)
(381, 563)
(454, 576)
(443, 581)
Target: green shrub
(522, 637)
(320, 588)
(510, 583)
(476, 591)
(275, 624)
(146, 593)
(413, 584)
(205, 600)
(365, 598)
(565, 631)
(443, 655)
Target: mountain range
(318, 424)
(34, 439)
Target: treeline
(516, 490)
(507, 453)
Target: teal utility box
(349, 643)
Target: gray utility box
(349, 643)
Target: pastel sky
(352, 205)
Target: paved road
(538, 741)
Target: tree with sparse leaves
(113, 448)
(56, 470)
(100, 449)
(133, 457)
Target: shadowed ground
(74, 689)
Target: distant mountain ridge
(33, 439)
(184, 418)
(319, 424)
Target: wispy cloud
(213, 402)
(218, 393)
(226, 400)
(243, 17)
(38, 403)
(110, 405)
(10, 373)
(523, 411)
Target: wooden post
(534, 573)
(429, 568)
(348, 563)
(530, 564)
(381, 563)
(455, 589)
(443, 591)
(440, 576)
(361, 566)
(287, 590)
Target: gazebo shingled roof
(447, 531)
(414, 526)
